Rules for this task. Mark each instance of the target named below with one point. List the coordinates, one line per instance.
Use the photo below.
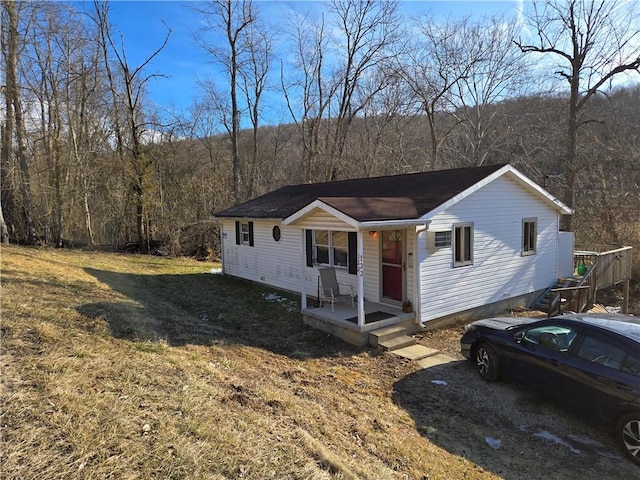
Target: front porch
(343, 321)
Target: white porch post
(360, 254)
(303, 269)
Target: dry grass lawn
(138, 367)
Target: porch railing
(579, 297)
(598, 267)
(613, 266)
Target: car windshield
(555, 337)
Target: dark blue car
(590, 363)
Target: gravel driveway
(503, 428)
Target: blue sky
(144, 24)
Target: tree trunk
(6, 181)
(4, 231)
(13, 92)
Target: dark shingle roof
(394, 197)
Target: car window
(632, 365)
(601, 352)
(555, 337)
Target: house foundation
(336, 323)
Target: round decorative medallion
(276, 233)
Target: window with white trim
(529, 236)
(321, 247)
(462, 244)
(340, 250)
(244, 233)
(331, 248)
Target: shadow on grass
(205, 309)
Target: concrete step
(416, 352)
(397, 342)
(437, 361)
(384, 334)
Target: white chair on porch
(330, 288)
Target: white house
(457, 243)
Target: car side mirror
(521, 338)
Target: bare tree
(4, 231)
(497, 70)
(233, 18)
(432, 63)
(376, 144)
(306, 94)
(56, 41)
(11, 10)
(337, 77)
(258, 44)
(131, 95)
(368, 29)
(593, 42)
(7, 193)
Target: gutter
(381, 225)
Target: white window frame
(331, 249)
(529, 243)
(244, 233)
(322, 245)
(341, 249)
(462, 244)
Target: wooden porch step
(397, 343)
(385, 334)
(545, 302)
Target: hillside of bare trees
(87, 160)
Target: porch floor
(341, 321)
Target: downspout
(416, 274)
(360, 272)
(222, 234)
(303, 270)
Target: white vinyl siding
(270, 262)
(371, 267)
(278, 263)
(499, 271)
(321, 220)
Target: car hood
(502, 323)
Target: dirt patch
(505, 429)
(614, 297)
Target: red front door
(393, 265)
